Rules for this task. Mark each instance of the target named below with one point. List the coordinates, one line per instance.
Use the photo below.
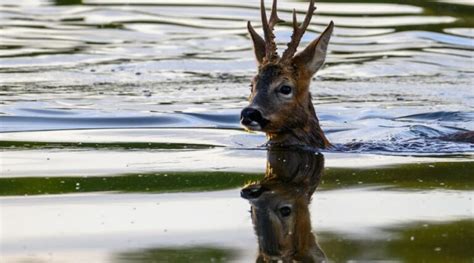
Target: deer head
(280, 101)
(279, 207)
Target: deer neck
(309, 133)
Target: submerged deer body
(280, 101)
(279, 207)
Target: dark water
(120, 138)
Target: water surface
(120, 137)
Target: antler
(268, 26)
(298, 32)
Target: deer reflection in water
(279, 207)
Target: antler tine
(298, 32)
(295, 21)
(270, 46)
(264, 20)
(274, 19)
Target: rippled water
(107, 106)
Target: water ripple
(187, 64)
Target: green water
(120, 138)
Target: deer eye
(285, 90)
(285, 211)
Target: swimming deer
(279, 207)
(280, 101)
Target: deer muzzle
(253, 119)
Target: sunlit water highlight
(108, 106)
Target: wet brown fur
(294, 122)
(466, 136)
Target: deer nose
(252, 192)
(249, 115)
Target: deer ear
(313, 56)
(258, 44)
